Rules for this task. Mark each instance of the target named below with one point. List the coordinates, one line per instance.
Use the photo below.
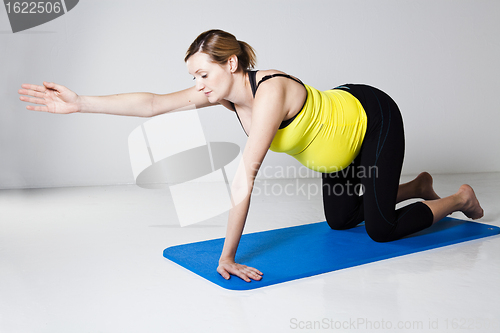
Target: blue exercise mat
(297, 252)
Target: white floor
(90, 259)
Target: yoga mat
(298, 252)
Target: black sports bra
(255, 86)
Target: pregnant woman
(352, 134)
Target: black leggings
(376, 170)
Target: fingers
(37, 108)
(256, 271)
(31, 93)
(32, 100)
(243, 272)
(36, 91)
(234, 270)
(33, 87)
(242, 275)
(253, 273)
(223, 273)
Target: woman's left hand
(227, 268)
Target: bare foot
(424, 185)
(471, 207)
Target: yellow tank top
(326, 135)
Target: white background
(437, 59)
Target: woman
(353, 134)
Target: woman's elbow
(241, 190)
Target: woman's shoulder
(265, 75)
(261, 73)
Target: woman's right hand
(229, 267)
(54, 98)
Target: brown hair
(220, 46)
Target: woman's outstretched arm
(55, 98)
(267, 114)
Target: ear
(233, 63)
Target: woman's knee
(380, 232)
(336, 224)
(339, 221)
(343, 212)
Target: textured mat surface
(298, 252)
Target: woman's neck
(241, 91)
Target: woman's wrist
(226, 259)
(79, 104)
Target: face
(211, 78)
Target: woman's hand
(54, 97)
(227, 267)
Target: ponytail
(247, 58)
